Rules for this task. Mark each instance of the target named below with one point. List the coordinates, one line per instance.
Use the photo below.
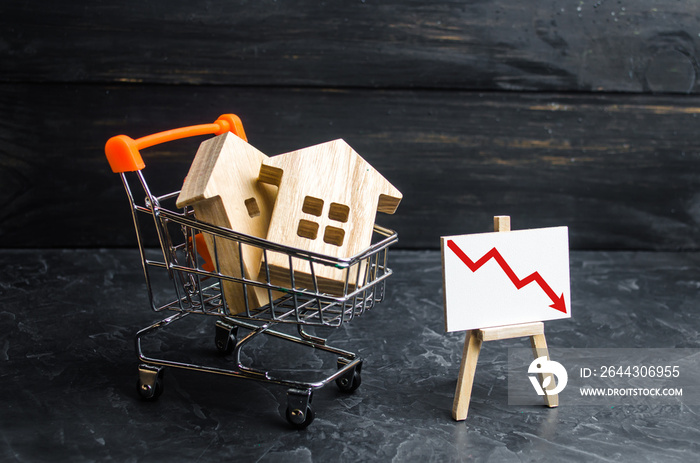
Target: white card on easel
(505, 278)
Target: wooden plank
(465, 380)
(538, 342)
(549, 45)
(510, 331)
(620, 171)
(501, 223)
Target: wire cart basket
(197, 284)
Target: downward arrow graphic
(557, 301)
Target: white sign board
(506, 278)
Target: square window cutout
(313, 206)
(252, 207)
(307, 229)
(338, 212)
(334, 236)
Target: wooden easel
(474, 339)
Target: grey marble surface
(68, 372)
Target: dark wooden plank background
(555, 112)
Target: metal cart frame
(198, 284)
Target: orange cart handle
(123, 152)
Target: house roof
(333, 170)
(223, 166)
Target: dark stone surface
(68, 372)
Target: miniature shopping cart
(198, 284)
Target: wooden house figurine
(222, 188)
(327, 201)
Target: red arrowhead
(559, 304)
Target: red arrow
(558, 301)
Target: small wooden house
(222, 188)
(327, 201)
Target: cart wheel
(150, 392)
(298, 419)
(350, 382)
(352, 379)
(225, 339)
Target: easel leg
(465, 381)
(539, 349)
